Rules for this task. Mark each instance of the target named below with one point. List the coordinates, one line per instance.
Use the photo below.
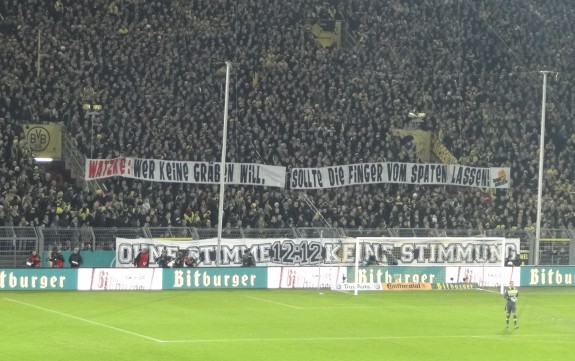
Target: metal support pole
(223, 166)
(541, 161)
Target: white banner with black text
(299, 178)
(318, 251)
(404, 173)
(156, 170)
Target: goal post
(394, 261)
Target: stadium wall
(385, 278)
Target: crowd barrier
(556, 246)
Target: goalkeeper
(511, 294)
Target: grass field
(285, 325)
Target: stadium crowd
(156, 68)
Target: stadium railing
(16, 243)
(556, 246)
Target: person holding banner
(512, 261)
(164, 260)
(180, 261)
(248, 259)
(191, 261)
(142, 260)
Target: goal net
(431, 262)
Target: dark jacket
(75, 259)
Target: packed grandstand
(467, 72)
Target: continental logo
(407, 286)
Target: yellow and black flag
(45, 140)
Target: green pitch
(285, 325)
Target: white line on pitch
(337, 307)
(302, 339)
(277, 303)
(305, 308)
(85, 320)
(486, 290)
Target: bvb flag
(420, 138)
(45, 140)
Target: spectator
(57, 259)
(294, 104)
(372, 261)
(184, 259)
(164, 260)
(248, 259)
(75, 258)
(34, 260)
(142, 260)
